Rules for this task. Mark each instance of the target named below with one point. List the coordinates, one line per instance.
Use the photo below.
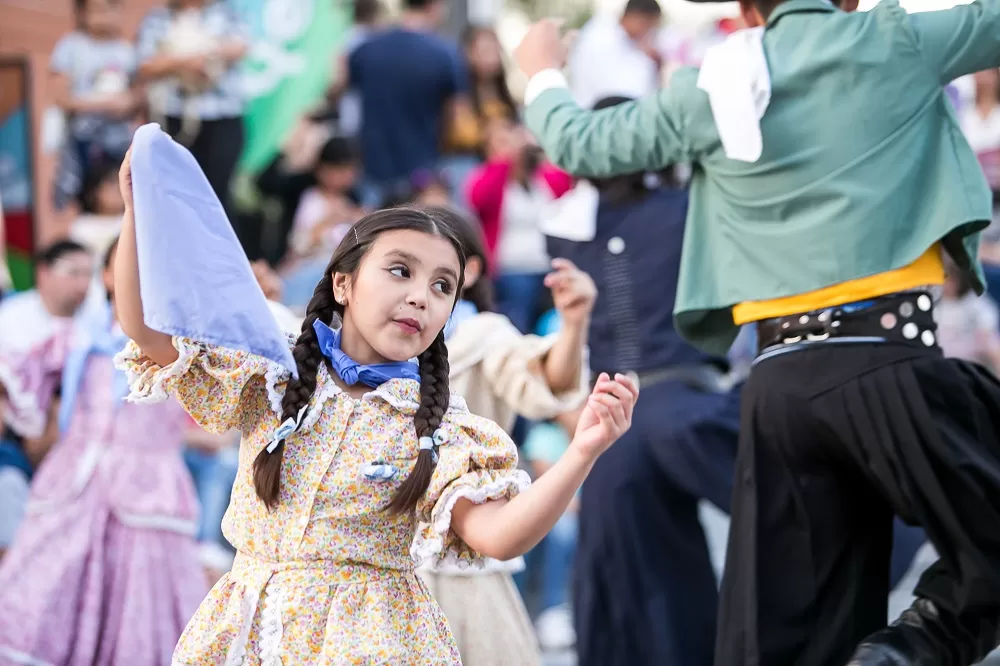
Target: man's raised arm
(647, 134)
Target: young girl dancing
(340, 460)
(502, 373)
(105, 567)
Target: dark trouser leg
(644, 590)
(943, 472)
(837, 438)
(805, 531)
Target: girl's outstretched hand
(606, 416)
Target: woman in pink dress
(104, 569)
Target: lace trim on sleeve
(147, 380)
(428, 548)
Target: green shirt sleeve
(648, 134)
(960, 40)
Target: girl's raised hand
(606, 416)
(573, 292)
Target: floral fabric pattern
(327, 577)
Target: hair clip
(358, 240)
(427, 444)
(379, 471)
(286, 429)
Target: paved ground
(717, 527)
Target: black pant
(217, 149)
(834, 440)
(644, 590)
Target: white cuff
(544, 80)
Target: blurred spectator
(981, 125)
(509, 194)
(968, 325)
(368, 16)
(97, 228)
(617, 56)
(412, 83)
(430, 189)
(189, 51)
(271, 285)
(325, 213)
(290, 174)
(490, 97)
(329, 208)
(212, 461)
(63, 276)
(92, 70)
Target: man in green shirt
(829, 178)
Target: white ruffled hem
(24, 416)
(271, 631)
(147, 381)
(428, 551)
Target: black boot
(926, 636)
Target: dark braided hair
(434, 399)
(435, 393)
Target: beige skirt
(487, 617)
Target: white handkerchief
(738, 82)
(572, 216)
(195, 279)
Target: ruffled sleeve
(478, 461)
(222, 389)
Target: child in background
(327, 210)
(92, 69)
(325, 214)
(426, 188)
(99, 224)
(104, 569)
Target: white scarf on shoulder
(736, 78)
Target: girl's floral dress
(327, 577)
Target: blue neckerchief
(99, 337)
(352, 372)
(464, 310)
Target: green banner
(289, 67)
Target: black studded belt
(906, 317)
